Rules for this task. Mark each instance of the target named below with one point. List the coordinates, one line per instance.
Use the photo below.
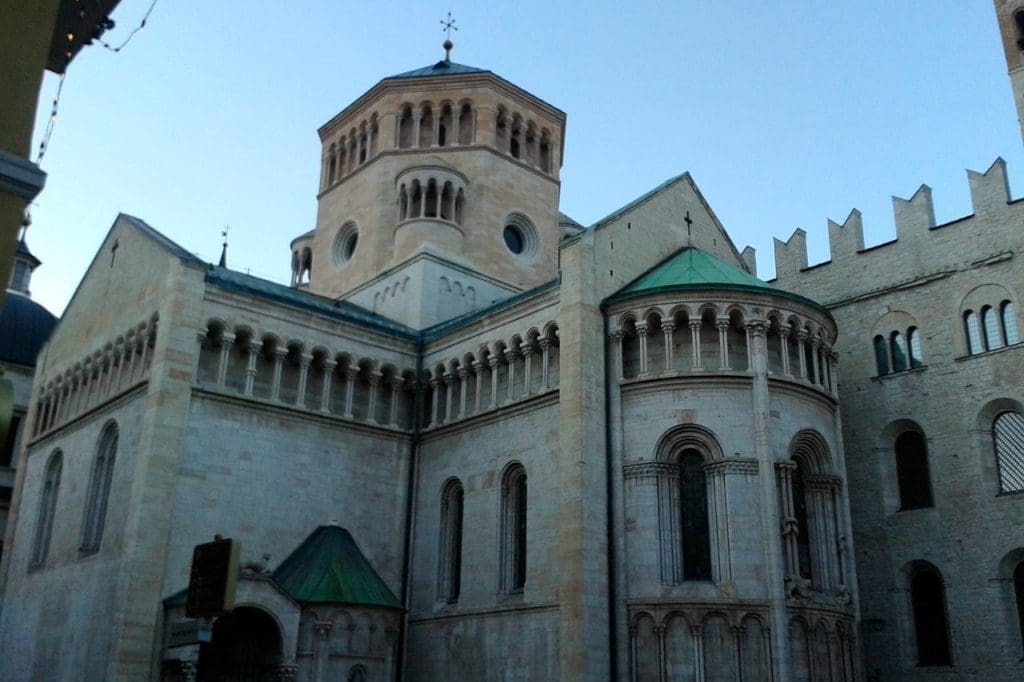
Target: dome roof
(24, 328)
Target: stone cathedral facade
(476, 440)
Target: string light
(131, 35)
(107, 24)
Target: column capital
(510, 356)
(784, 331)
(668, 326)
(226, 338)
(395, 382)
(493, 360)
(722, 322)
(329, 365)
(463, 372)
(545, 343)
(280, 352)
(695, 324)
(449, 378)
(528, 349)
(305, 359)
(375, 377)
(757, 327)
(254, 346)
(615, 335)
(351, 371)
(322, 629)
(478, 366)
(641, 328)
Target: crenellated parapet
(920, 250)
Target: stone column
(226, 341)
(695, 340)
(616, 337)
(321, 635)
(641, 332)
(801, 339)
(697, 632)
(435, 399)
(351, 373)
(395, 385)
(300, 395)
(493, 361)
(449, 379)
(784, 341)
(456, 115)
(325, 396)
(815, 361)
(659, 632)
(463, 389)
(279, 356)
(737, 647)
(417, 116)
(478, 386)
(121, 364)
(833, 367)
(790, 529)
(527, 367)
(510, 359)
(250, 369)
(545, 349)
(723, 342)
(371, 408)
(667, 327)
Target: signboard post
(211, 584)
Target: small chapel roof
(328, 567)
(24, 327)
(692, 269)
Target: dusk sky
(786, 113)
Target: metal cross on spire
(448, 26)
(224, 249)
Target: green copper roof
(329, 568)
(691, 269)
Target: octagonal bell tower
(438, 196)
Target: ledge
(20, 177)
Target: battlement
(920, 244)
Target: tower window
(912, 471)
(514, 239)
(693, 503)
(513, 531)
(47, 509)
(1018, 19)
(1008, 438)
(928, 599)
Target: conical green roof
(329, 568)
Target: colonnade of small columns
(420, 127)
(498, 374)
(431, 198)
(101, 375)
(523, 140)
(709, 338)
(299, 375)
(350, 151)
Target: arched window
(465, 125)
(928, 601)
(513, 529)
(881, 355)
(693, 504)
(513, 146)
(405, 128)
(430, 208)
(803, 533)
(914, 341)
(99, 490)
(973, 333)
(899, 352)
(1008, 438)
(990, 323)
(357, 674)
(1018, 591)
(47, 508)
(1018, 19)
(912, 471)
(1009, 322)
(450, 554)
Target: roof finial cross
(689, 222)
(224, 249)
(448, 26)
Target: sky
(785, 113)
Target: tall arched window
(99, 490)
(450, 554)
(513, 529)
(914, 344)
(912, 471)
(899, 352)
(973, 333)
(803, 534)
(928, 601)
(1009, 322)
(1008, 438)
(47, 508)
(881, 355)
(693, 505)
(991, 326)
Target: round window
(514, 239)
(345, 243)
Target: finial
(448, 27)
(224, 249)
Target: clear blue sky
(786, 113)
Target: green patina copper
(329, 568)
(691, 269)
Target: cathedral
(474, 439)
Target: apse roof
(691, 269)
(442, 68)
(329, 568)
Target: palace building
(474, 439)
